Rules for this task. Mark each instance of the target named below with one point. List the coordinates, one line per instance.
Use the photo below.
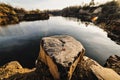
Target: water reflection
(77, 20)
(21, 42)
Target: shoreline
(11, 15)
(105, 16)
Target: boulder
(61, 55)
(88, 69)
(83, 70)
(97, 10)
(11, 69)
(114, 63)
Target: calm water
(21, 41)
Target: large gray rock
(114, 63)
(61, 55)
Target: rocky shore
(106, 16)
(11, 15)
(62, 58)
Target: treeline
(104, 11)
(108, 17)
(11, 15)
(54, 12)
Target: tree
(92, 3)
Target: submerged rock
(61, 54)
(114, 63)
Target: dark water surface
(21, 41)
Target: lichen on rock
(61, 54)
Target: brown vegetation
(11, 15)
(7, 14)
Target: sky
(47, 4)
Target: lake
(21, 41)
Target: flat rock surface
(61, 54)
(63, 49)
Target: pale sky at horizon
(47, 4)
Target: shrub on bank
(7, 14)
